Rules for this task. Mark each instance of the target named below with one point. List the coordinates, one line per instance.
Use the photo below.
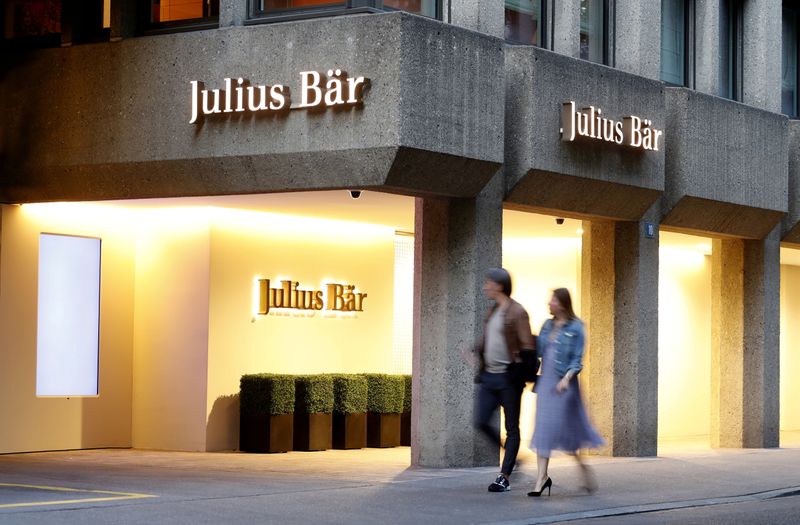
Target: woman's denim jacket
(568, 346)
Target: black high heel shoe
(547, 485)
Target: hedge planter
(384, 405)
(349, 411)
(312, 412)
(266, 422)
(405, 418)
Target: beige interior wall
(247, 245)
(31, 423)
(170, 363)
(684, 339)
(790, 348)
(538, 265)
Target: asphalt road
(777, 511)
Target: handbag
(526, 370)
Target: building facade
(632, 116)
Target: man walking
(507, 331)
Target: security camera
(560, 220)
(355, 194)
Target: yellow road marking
(112, 495)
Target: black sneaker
(500, 485)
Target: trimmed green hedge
(407, 394)
(267, 394)
(349, 393)
(313, 394)
(385, 393)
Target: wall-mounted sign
(589, 122)
(334, 297)
(336, 89)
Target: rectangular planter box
(349, 431)
(265, 433)
(405, 429)
(312, 431)
(383, 430)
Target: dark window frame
(689, 42)
(148, 27)
(349, 7)
(608, 27)
(544, 33)
(791, 6)
(733, 17)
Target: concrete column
(707, 47)
(455, 242)
(745, 368)
(597, 310)
(484, 16)
(566, 28)
(124, 17)
(637, 46)
(761, 54)
(232, 13)
(620, 304)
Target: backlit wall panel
(68, 316)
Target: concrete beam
(791, 223)
(112, 120)
(587, 177)
(726, 170)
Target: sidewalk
(366, 486)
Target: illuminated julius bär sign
(334, 297)
(335, 89)
(589, 122)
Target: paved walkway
(368, 486)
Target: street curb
(652, 507)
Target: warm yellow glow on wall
(538, 265)
(32, 423)
(790, 348)
(684, 337)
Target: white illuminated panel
(69, 316)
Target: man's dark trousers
(499, 390)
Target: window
(673, 41)
(54, 23)
(594, 31)
(730, 36)
(67, 333)
(525, 21)
(278, 10)
(789, 62)
(171, 14)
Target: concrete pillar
(707, 47)
(484, 16)
(761, 54)
(620, 304)
(597, 310)
(124, 17)
(232, 13)
(565, 33)
(745, 368)
(637, 47)
(455, 242)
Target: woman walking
(561, 420)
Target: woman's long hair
(563, 296)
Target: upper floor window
(594, 30)
(730, 44)
(53, 23)
(171, 13)
(525, 21)
(789, 62)
(267, 10)
(673, 41)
